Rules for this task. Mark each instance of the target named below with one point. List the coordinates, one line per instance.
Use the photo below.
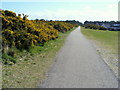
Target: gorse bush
(19, 32)
(61, 26)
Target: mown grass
(31, 66)
(104, 38)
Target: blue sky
(63, 10)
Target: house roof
(106, 25)
(116, 25)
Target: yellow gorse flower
(25, 33)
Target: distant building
(112, 25)
(106, 25)
(115, 27)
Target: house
(106, 25)
(115, 27)
(109, 25)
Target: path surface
(78, 65)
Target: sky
(81, 10)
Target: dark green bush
(93, 26)
(9, 13)
(11, 53)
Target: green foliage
(93, 26)
(11, 53)
(8, 59)
(22, 33)
(62, 26)
(9, 13)
(108, 39)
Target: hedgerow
(19, 32)
(93, 26)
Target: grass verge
(31, 66)
(106, 43)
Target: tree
(24, 16)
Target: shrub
(22, 33)
(9, 13)
(93, 26)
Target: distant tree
(85, 22)
(24, 16)
(42, 19)
(36, 20)
(19, 15)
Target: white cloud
(86, 13)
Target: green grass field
(31, 67)
(106, 39)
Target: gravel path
(78, 65)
